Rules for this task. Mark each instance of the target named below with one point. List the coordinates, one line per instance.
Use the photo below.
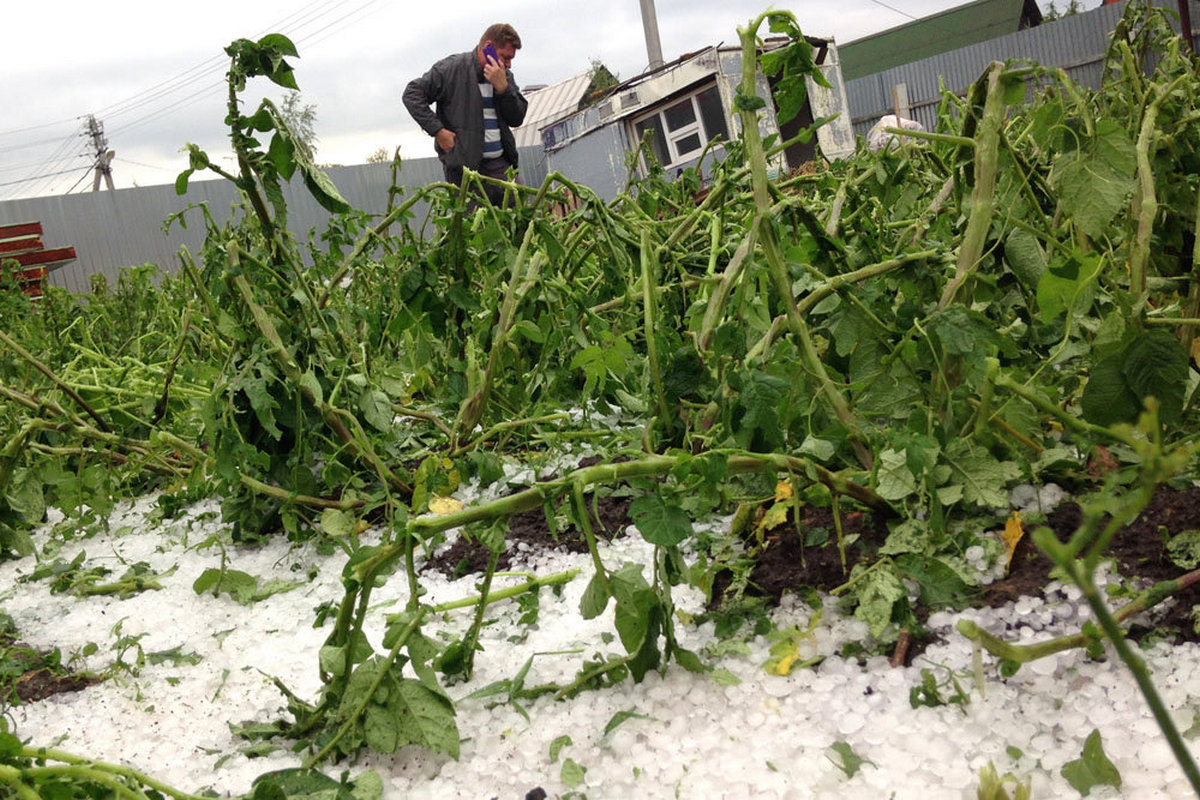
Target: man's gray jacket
(453, 85)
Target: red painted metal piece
(22, 242)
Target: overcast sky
(153, 76)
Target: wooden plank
(35, 275)
(45, 258)
(20, 244)
(20, 229)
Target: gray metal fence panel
(1076, 44)
(123, 228)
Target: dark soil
(1139, 549)
(31, 675)
(786, 565)
(610, 515)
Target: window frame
(672, 138)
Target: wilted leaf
(444, 505)
(1013, 531)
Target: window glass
(688, 144)
(680, 115)
(658, 139)
(713, 115)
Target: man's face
(506, 53)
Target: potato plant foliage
(911, 331)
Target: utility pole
(650, 25)
(104, 156)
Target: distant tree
(1052, 13)
(301, 117)
(601, 80)
(380, 156)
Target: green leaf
(1184, 549)
(1025, 257)
(984, 478)
(557, 745)
(278, 43)
(635, 602)
(376, 409)
(367, 786)
(529, 330)
(309, 381)
(895, 480)
(1066, 284)
(877, 592)
(332, 660)
(1150, 364)
(25, 497)
(909, 536)
(847, 760)
(323, 189)
(414, 714)
(295, 784)
(941, 586)
(620, 718)
(660, 523)
(337, 523)
(1094, 182)
(595, 597)
(723, 677)
(572, 773)
(1092, 769)
(1106, 397)
(281, 154)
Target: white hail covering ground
(765, 737)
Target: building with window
(686, 110)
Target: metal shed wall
(122, 228)
(1075, 43)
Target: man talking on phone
(475, 103)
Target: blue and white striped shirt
(491, 125)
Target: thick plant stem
(1192, 310)
(720, 294)
(987, 166)
(649, 266)
(1145, 201)
(333, 416)
(1024, 653)
(1141, 674)
(644, 467)
(102, 767)
(520, 278)
(772, 252)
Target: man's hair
(501, 34)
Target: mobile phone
(490, 52)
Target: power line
(49, 175)
(309, 26)
(893, 8)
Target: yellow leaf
(444, 505)
(783, 490)
(783, 667)
(775, 515)
(1013, 531)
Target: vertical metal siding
(1076, 43)
(122, 228)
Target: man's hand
(445, 139)
(496, 75)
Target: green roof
(939, 33)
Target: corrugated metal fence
(122, 228)
(1076, 44)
